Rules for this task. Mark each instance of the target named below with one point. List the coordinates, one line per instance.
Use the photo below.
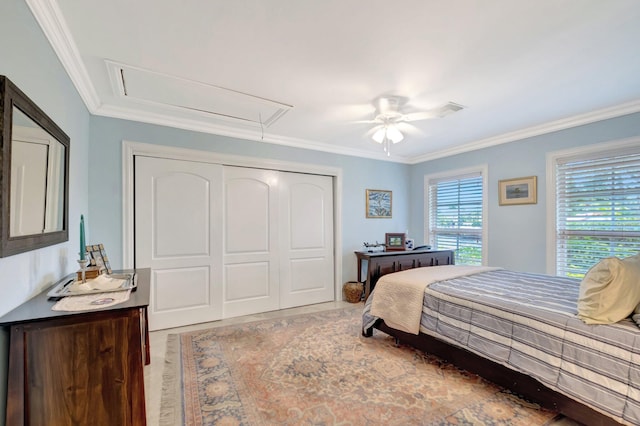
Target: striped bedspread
(528, 322)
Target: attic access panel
(174, 92)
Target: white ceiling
(302, 72)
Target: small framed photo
(518, 191)
(379, 203)
(98, 258)
(394, 242)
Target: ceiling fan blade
(411, 130)
(368, 121)
(372, 130)
(439, 112)
(415, 116)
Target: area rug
(317, 369)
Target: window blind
(455, 217)
(597, 210)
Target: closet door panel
(306, 242)
(248, 214)
(250, 253)
(178, 233)
(247, 281)
(308, 274)
(306, 203)
(172, 238)
(181, 288)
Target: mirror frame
(11, 96)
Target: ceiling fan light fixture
(394, 134)
(388, 132)
(390, 112)
(378, 136)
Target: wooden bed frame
(521, 384)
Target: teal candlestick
(82, 242)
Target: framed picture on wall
(379, 203)
(518, 191)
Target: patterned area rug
(317, 369)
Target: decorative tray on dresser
(71, 287)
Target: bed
(519, 330)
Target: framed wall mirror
(34, 175)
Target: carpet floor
(317, 369)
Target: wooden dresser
(378, 264)
(78, 368)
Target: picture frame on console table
(98, 258)
(394, 241)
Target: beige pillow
(610, 291)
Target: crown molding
(50, 19)
(552, 126)
(131, 114)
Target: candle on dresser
(82, 242)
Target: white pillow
(610, 291)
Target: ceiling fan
(390, 114)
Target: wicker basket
(352, 291)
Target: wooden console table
(381, 263)
(78, 368)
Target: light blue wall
(105, 178)
(28, 61)
(517, 234)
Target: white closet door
(306, 239)
(250, 254)
(178, 219)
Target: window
(456, 212)
(597, 207)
